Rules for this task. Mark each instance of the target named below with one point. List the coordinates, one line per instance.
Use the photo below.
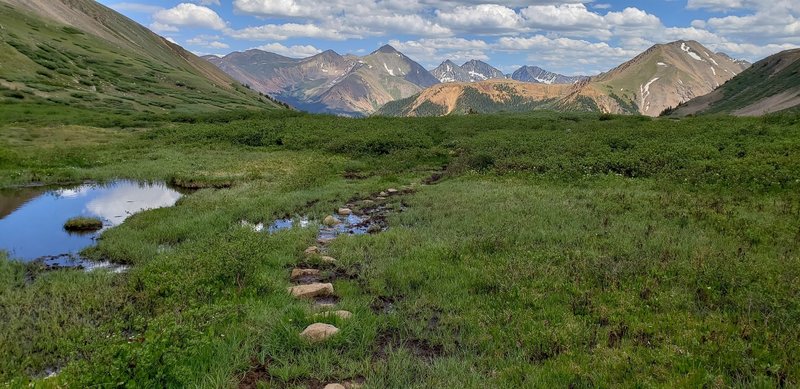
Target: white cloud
(483, 18)
(212, 42)
(187, 15)
(297, 51)
(431, 52)
(285, 31)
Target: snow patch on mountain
(691, 53)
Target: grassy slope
(756, 83)
(559, 250)
(49, 69)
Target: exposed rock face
(319, 332)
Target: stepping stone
(327, 259)
(318, 332)
(312, 250)
(331, 221)
(311, 290)
(324, 241)
(334, 386)
(344, 315)
(345, 211)
(299, 273)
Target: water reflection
(32, 220)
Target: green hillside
(770, 85)
(48, 68)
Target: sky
(569, 37)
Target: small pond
(32, 219)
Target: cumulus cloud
(297, 51)
(187, 15)
(431, 52)
(285, 31)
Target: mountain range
(329, 82)
(81, 55)
(661, 77)
(356, 86)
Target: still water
(32, 219)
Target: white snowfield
(691, 53)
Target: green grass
(81, 223)
(559, 250)
(58, 74)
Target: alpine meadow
(172, 218)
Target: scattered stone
(327, 259)
(299, 273)
(383, 194)
(313, 250)
(392, 191)
(344, 315)
(368, 202)
(345, 211)
(380, 198)
(311, 290)
(334, 386)
(324, 241)
(374, 229)
(324, 305)
(318, 332)
(331, 221)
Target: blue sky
(569, 37)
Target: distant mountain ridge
(770, 85)
(661, 77)
(329, 82)
(83, 55)
(536, 74)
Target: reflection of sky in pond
(36, 228)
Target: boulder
(313, 250)
(299, 273)
(311, 290)
(331, 221)
(345, 211)
(318, 332)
